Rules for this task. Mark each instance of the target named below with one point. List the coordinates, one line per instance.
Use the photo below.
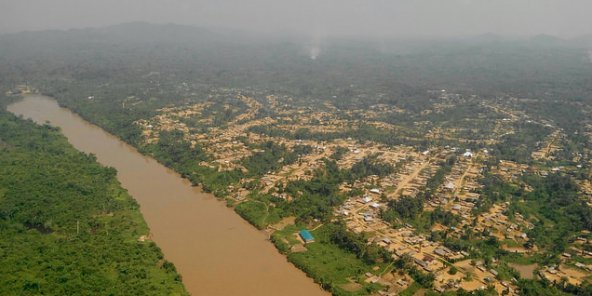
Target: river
(216, 251)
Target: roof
(306, 235)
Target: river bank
(215, 251)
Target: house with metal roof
(306, 236)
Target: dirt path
(460, 181)
(550, 145)
(410, 178)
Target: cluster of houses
(362, 214)
(458, 192)
(548, 147)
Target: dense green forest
(66, 225)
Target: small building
(450, 186)
(468, 153)
(306, 236)
(375, 190)
(493, 271)
(428, 259)
(441, 252)
(421, 263)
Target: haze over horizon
(377, 18)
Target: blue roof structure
(306, 236)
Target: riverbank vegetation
(337, 263)
(66, 225)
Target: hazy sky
(315, 17)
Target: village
(457, 192)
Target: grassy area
(411, 290)
(521, 259)
(259, 210)
(253, 211)
(583, 260)
(325, 262)
(512, 243)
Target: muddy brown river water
(216, 251)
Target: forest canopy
(66, 225)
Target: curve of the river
(215, 251)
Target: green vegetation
(261, 209)
(271, 158)
(339, 153)
(495, 189)
(411, 290)
(255, 212)
(531, 287)
(370, 166)
(438, 178)
(559, 211)
(553, 204)
(173, 151)
(519, 145)
(405, 208)
(66, 225)
(317, 197)
(423, 279)
(410, 210)
(505, 95)
(326, 262)
(357, 244)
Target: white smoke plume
(315, 51)
(315, 47)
